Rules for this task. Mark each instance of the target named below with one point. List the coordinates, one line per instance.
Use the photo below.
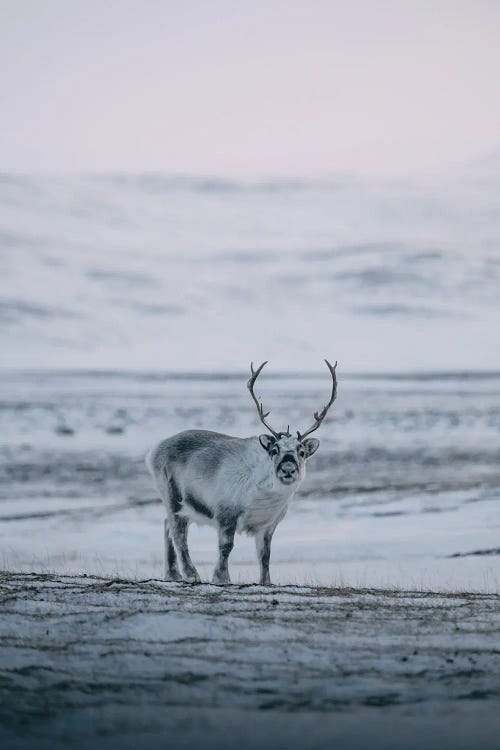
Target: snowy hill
(175, 273)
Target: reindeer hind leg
(179, 536)
(178, 528)
(171, 567)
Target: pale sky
(248, 87)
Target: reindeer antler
(319, 416)
(260, 408)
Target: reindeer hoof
(192, 577)
(169, 577)
(221, 579)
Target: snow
(405, 478)
(130, 309)
(71, 644)
(163, 273)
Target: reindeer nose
(289, 470)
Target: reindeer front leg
(227, 530)
(263, 545)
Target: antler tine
(319, 416)
(260, 408)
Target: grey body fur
(233, 484)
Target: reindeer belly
(264, 511)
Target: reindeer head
(289, 454)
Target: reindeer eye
(274, 451)
(302, 452)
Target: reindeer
(234, 484)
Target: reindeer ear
(311, 445)
(267, 442)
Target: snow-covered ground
(130, 308)
(403, 491)
(103, 663)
